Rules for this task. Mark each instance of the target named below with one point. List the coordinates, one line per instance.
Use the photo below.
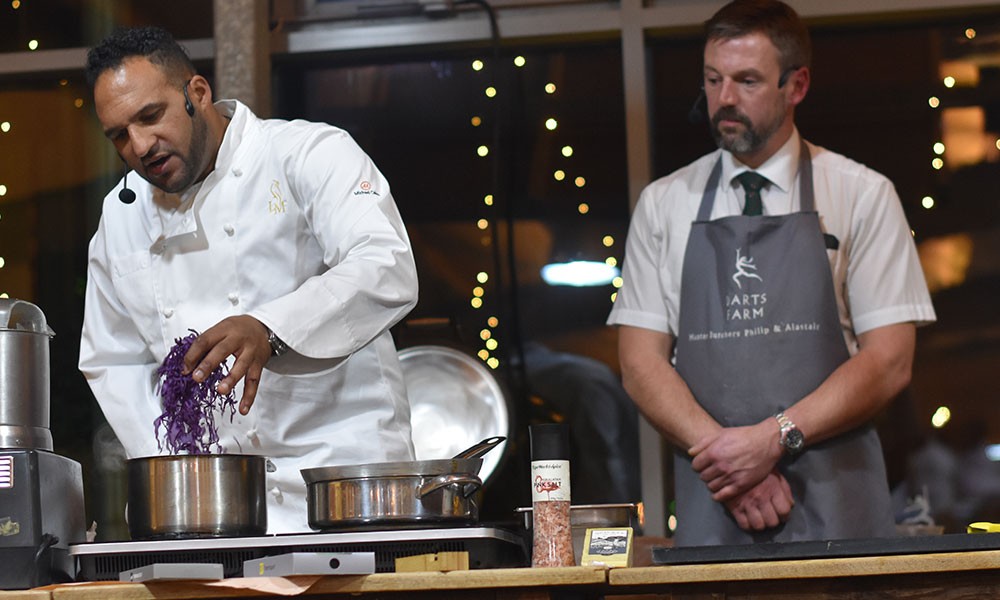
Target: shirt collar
(780, 169)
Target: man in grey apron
(745, 365)
(781, 356)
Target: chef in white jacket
(278, 241)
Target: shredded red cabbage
(189, 407)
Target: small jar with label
(552, 535)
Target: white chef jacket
(877, 276)
(296, 227)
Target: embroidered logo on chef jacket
(276, 204)
(365, 189)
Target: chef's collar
(237, 115)
(780, 169)
(230, 109)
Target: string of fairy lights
(488, 334)
(5, 127)
(938, 148)
(942, 415)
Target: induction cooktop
(957, 542)
(488, 547)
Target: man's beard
(747, 141)
(193, 161)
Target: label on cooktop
(550, 481)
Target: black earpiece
(699, 110)
(126, 195)
(188, 106)
(784, 76)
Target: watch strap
(790, 436)
(278, 347)
(784, 423)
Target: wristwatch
(278, 347)
(791, 438)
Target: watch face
(794, 440)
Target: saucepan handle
(480, 449)
(469, 483)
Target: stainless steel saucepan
(405, 492)
(187, 496)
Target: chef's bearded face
(751, 138)
(195, 161)
(143, 113)
(750, 101)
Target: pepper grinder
(552, 535)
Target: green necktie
(752, 183)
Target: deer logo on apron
(759, 330)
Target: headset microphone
(126, 195)
(698, 112)
(188, 106)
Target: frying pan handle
(480, 448)
(470, 484)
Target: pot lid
(415, 468)
(455, 401)
(18, 315)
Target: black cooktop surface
(957, 542)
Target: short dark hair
(153, 43)
(775, 19)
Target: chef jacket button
(168, 312)
(229, 229)
(238, 172)
(234, 297)
(276, 492)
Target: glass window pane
(473, 145)
(557, 168)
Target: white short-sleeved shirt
(876, 272)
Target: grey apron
(759, 330)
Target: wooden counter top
(809, 569)
(942, 576)
(478, 579)
(25, 595)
